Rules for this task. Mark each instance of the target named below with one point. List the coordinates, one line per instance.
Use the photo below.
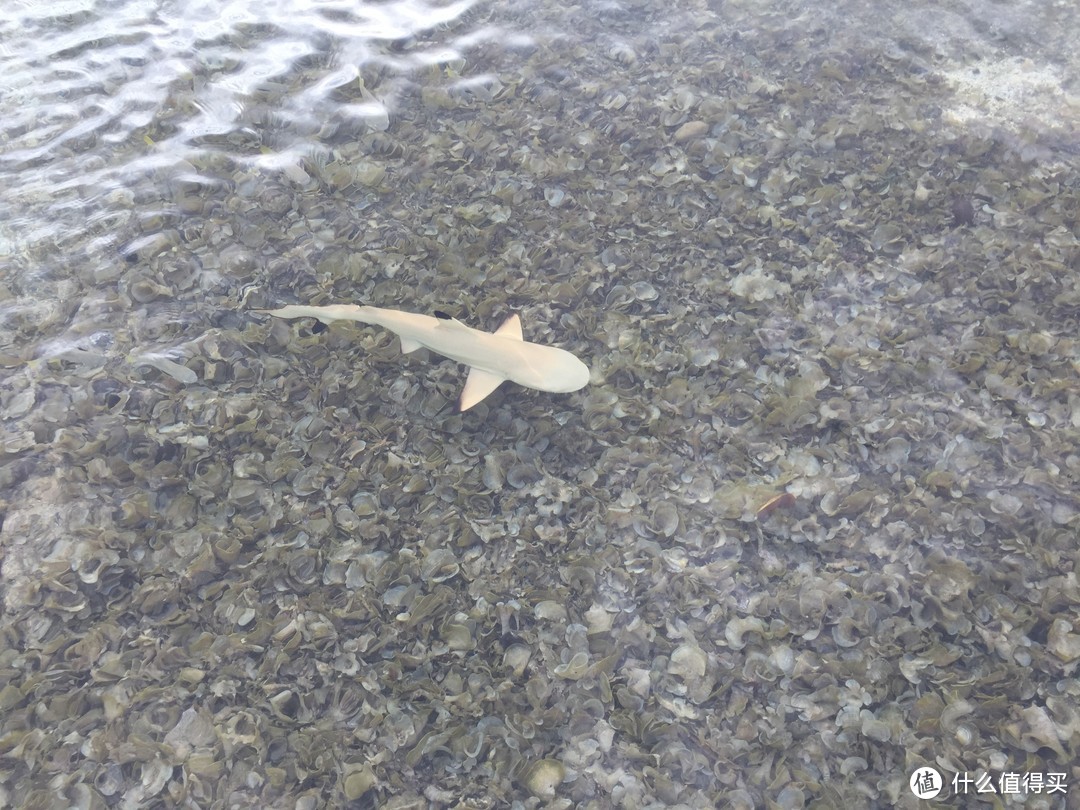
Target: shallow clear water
(812, 526)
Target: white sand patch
(1014, 92)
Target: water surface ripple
(97, 96)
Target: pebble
(690, 131)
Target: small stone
(544, 777)
(1062, 642)
(691, 130)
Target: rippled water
(102, 102)
(814, 516)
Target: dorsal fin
(511, 328)
(442, 316)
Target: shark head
(546, 368)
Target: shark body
(492, 357)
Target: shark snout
(549, 369)
(577, 375)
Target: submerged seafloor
(254, 564)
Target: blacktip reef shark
(492, 357)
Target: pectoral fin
(409, 345)
(477, 386)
